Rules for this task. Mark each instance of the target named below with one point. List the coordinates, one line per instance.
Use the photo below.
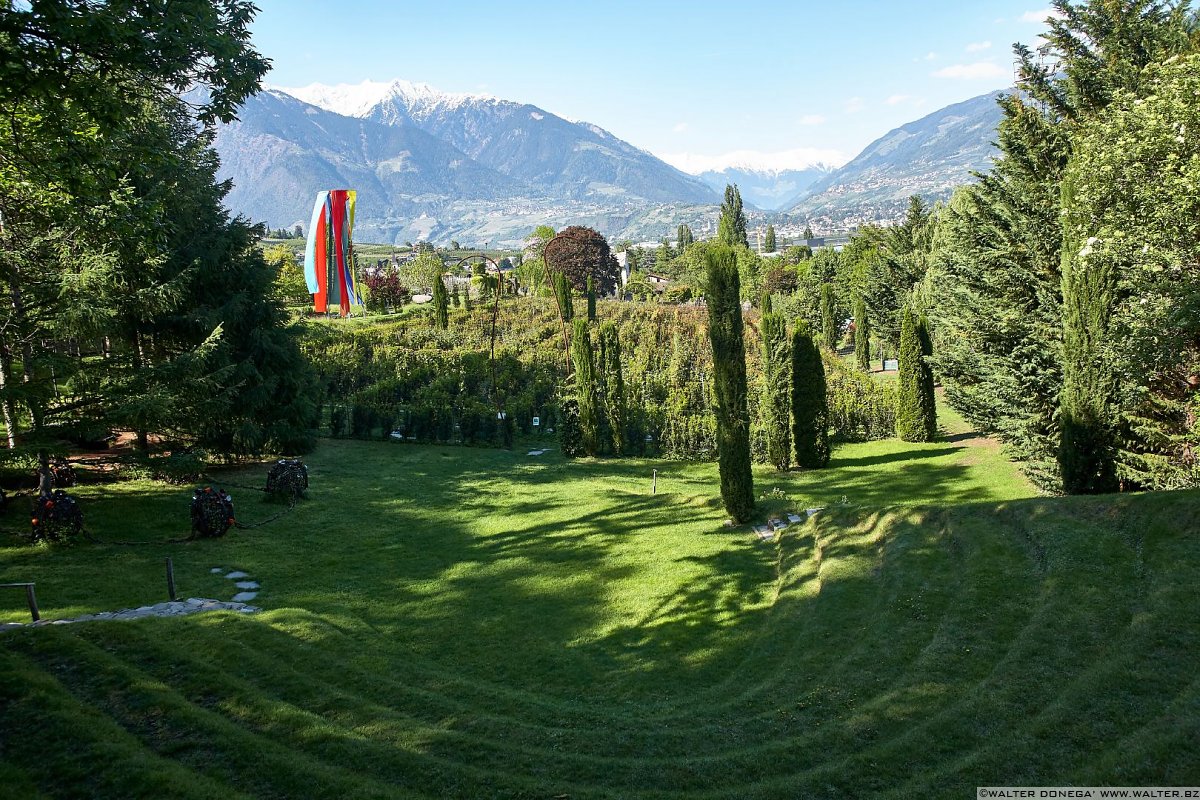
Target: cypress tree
(591, 299)
(731, 229)
(810, 407)
(729, 366)
(862, 336)
(829, 326)
(916, 414)
(466, 298)
(562, 291)
(454, 296)
(684, 237)
(441, 309)
(570, 439)
(777, 387)
(769, 244)
(613, 386)
(1087, 449)
(585, 387)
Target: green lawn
(451, 622)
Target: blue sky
(781, 82)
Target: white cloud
(975, 47)
(897, 99)
(930, 56)
(680, 127)
(854, 105)
(970, 72)
(799, 158)
(812, 119)
(1040, 15)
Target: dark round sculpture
(55, 517)
(212, 512)
(287, 478)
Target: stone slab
(233, 576)
(217, 570)
(243, 597)
(246, 585)
(793, 518)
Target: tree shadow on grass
(891, 458)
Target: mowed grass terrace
(456, 622)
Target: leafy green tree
(441, 310)
(290, 286)
(731, 229)
(769, 244)
(916, 413)
(1131, 289)
(810, 406)
(777, 387)
(862, 336)
(729, 363)
(586, 394)
(613, 387)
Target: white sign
(537, 421)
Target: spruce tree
(591, 299)
(829, 326)
(585, 387)
(862, 336)
(441, 303)
(1087, 449)
(777, 387)
(769, 244)
(916, 414)
(731, 229)
(613, 386)
(810, 406)
(729, 366)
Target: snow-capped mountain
(551, 155)
(768, 189)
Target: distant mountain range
(435, 166)
(930, 157)
(768, 189)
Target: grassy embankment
(450, 622)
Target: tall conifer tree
(769, 243)
(441, 302)
(729, 365)
(810, 406)
(862, 336)
(731, 229)
(829, 326)
(585, 387)
(613, 386)
(777, 387)
(916, 414)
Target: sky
(700, 84)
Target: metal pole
(32, 598)
(170, 578)
(654, 483)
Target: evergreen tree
(729, 364)
(769, 244)
(862, 336)
(613, 386)
(454, 296)
(585, 388)
(916, 414)
(562, 293)
(731, 229)
(441, 312)
(570, 437)
(466, 298)
(810, 406)
(684, 238)
(808, 234)
(777, 387)
(591, 299)
(1087, 450)
(829, 323)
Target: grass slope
(448, 622)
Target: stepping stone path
(175, 608)
(249, 587)
(537, 452)
(767, 532)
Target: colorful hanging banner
(329, 252)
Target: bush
(859, 408)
